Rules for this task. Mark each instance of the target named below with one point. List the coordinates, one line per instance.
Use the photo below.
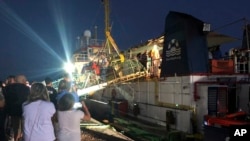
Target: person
(217, 53)
(37, 114)
(64, 87)
(95, 68)
(66, 77)
(144, 59)
(155, 61)
(10, 80)
(52, 91)
(122, 65)
(69, 119)
(15, 95)
(73, 87)
(210, 55)
(122, 57)
(104, 66)
(2, 117)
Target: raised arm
(87, 115)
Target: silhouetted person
(15, 95)
(144, 59)
(10, 80)
(51, 91)
(104, 63)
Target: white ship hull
(175, 95)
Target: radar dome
(87, 33)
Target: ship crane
(110, 42)
(89, 82)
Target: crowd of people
(39, 112)
(99, 67)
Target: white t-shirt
(37, 121)
(69, 125)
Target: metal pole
(107, 12)
(95, 36)
(247, 41)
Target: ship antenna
(95, 35)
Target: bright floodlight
(69, 67)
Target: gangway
(118, 80)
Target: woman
(37, 113)
(69, 119)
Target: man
(67, 77)
(104, 66)
(155, 55)
(10, 80)
(51, 91)
(65, 87)
(15, 95)
(73, 87)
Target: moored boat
(183, 89)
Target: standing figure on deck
(104, 63)
(69, 119)
(95, 68)
(144, 59)
(156, 61)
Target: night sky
(36, 34)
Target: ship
(186, 85)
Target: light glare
(69, 67)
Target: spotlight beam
(16, 22)
(60, 22)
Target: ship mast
(107, 12)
